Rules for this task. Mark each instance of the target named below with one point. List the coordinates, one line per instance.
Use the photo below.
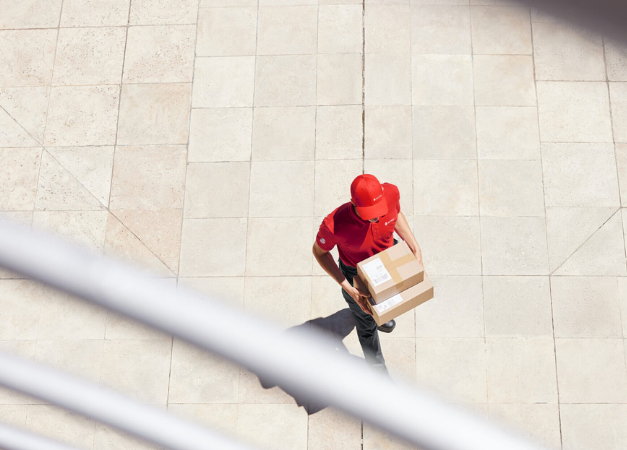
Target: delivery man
(361, 228)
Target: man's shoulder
(391, 191)
(338, 217)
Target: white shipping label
(377, 272)
(384, 306)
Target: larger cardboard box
(400, 303)
(390, 272)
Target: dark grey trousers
(365, 324)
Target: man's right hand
(361, 298)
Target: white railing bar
(13, 438)
(305, 363)
(109, 407)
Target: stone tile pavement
(206, 139)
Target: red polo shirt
(358, 239)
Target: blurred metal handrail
(305, 363)
(12, 438)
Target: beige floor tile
(450, 245)
(201, 377)
(85, 228)
(591, 370)
(615, 60)
(339, 132)
(21, 303)
(227, 32)
(270, 179)
(28, 107)
(93, 13)
(511, 188)
(442, 80)
(107, 438)
(268, 297)
(226, 289)
(89, 56)
(517, 306)
(275, 247)
(155, 12)
(31, 14)
(159, 54)
(389, 79)
(16, 415)
(338, 2)
(586, 307)
(504, 80)
(388, 132)
(122, 243)
(521, 370)
(285, 30)
(13, 134)
(440, 2)
(19, 170)
(387, 28)
(332, 183)
(217, 190)
(568, 229)
(224, 82)
(621, 161)
(452, 367)
(508, 132)
(456, 309)
(501, 30)
(62, 316)
(221, 417)
(375, 439)
(514, 246)
(326, 296)
(618, 101)
(252, 392)
(159, 230)
(330, 429)
(277, 427)
(79, 357)
(590, 426)
(227, 3)
(339, 79)
(287, 80)
(444, 132)
(148, 177)
(567, 52)
(574, 112)
(58, 189)
(539, 422)
(220, 134)
(27, 57)
(440, 29)
(284, 133)
(213, 247)
(399, 173)
(61, 425)
(94, 113)
(400, 357)
(91, 166)
(580, 175)
(138, 368)
(602, 254)
(622, 293)
(445, 187)
(340, 28)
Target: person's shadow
(337, 326)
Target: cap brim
(370, 212)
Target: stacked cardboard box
(396, 281)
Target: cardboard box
(400, 303)
(390, 272)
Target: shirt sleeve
(326, 239)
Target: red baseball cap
(367, 196)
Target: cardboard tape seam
(393, 266)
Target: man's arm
(325, 259)
(403, 230)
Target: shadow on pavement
(337, 326)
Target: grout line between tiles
(40, 144)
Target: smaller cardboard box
(400, 303)
(390, 272)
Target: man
(361, 228)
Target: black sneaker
(387, 327)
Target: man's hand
(360, 297)
(418, 255)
